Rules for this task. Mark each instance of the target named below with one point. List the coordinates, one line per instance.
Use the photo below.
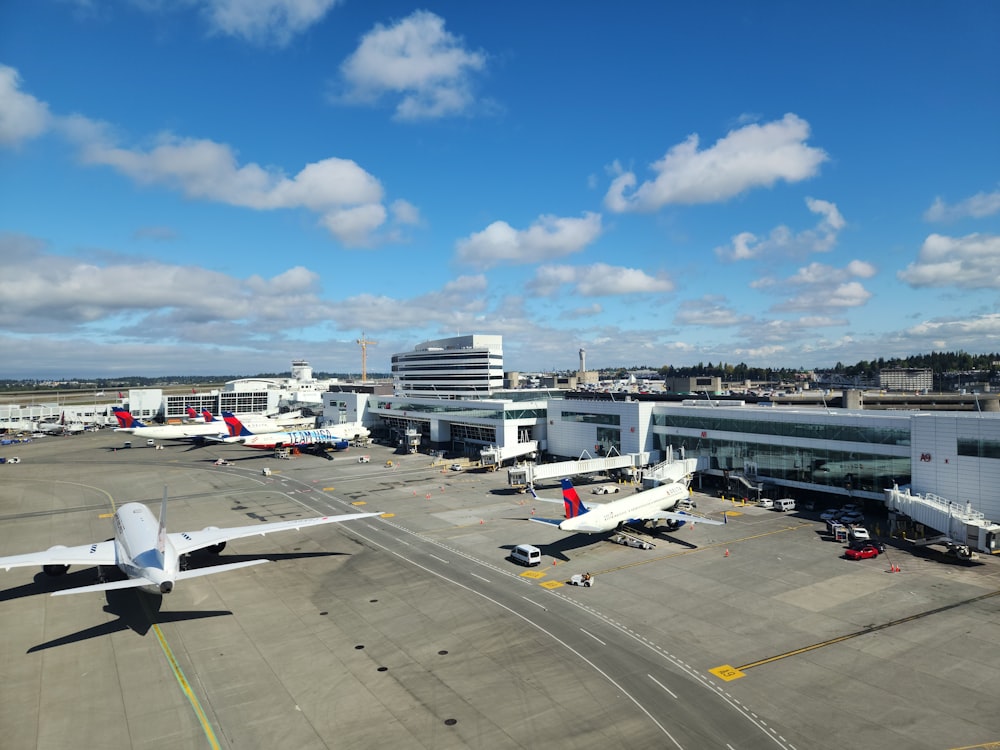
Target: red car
(861, 552)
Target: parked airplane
(241, 428)
(151, 557)
(323, 439)
(656, 504)
(210, 428)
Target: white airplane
(656, 504)
(336, 436)
(151, 557)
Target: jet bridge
(527, 474)
(957, 526)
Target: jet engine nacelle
(215, 548)
(55, 570)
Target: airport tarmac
(414, 630)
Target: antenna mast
(363, 343)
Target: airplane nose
(166, 587)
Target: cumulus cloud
(264, 21)
(819, 287)
(597, 280)
(970, 262)
(347, 198)
(978, 206)
(752, 156)
(549, 237)
(708, 311)
(417, 60)
(22, 116)
(782, 241)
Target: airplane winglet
(161, 535)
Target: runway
(414, 630)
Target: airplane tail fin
(234, 425)
(571, 499)
(125, 418)
(191, 412)
(208, 416)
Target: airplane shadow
(203, 559)
(136, 611)
(559, 548)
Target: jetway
(957, 526)
(493, 456)
(527, 474)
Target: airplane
(311, 440)
(152, 558)
(212, 427)
(656, 504)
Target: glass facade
(807, 430)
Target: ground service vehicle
(526, 554)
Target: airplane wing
(188, 541)
(99, 553)
(132, 583)
(667, 515)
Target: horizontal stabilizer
(209, 570)
(128, 583)
(549, 521)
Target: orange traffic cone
(727, 553)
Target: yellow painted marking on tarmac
(76, 484)
(388, 515)
(985, 746)
(360, 502)
(727, 673)
(106, 515)
(328, 489)
(551, 584)
(732, 513)
(186, 687)
(533, 574)
(867, 631)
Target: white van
(525, 554)
(784, 504)
(765, 502)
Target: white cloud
(970, 262)
(22, 116)
(782, 241)
(708, 311)
(978, 206)
(549, 237)
(264, 21)
(597, 280)
(819, 287)
(346, 197)
(749, 157)
(417, 59)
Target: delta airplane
(337, 437)
(656, 504)
(150, 557)
(211, 427)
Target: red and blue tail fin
(191, 412)
(571, 499)
(125, 418)
(207, 415)
(234, 425)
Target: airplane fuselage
(296, 438)
(137, 551)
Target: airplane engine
(55, 570)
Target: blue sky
(220, 186)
